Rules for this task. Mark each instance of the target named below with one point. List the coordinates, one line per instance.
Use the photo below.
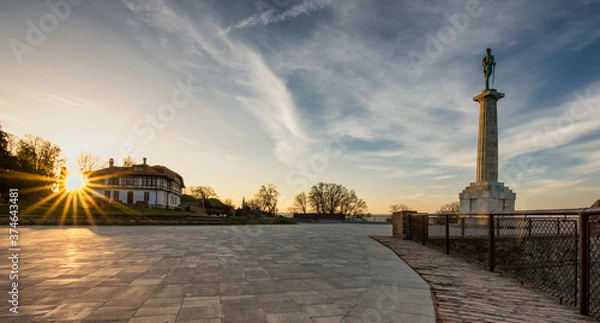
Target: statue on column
(488, 63)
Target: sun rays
(69, 195)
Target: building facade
(142, 185)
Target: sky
(374, 95)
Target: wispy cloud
(271, 16)
(576, 118)
(588, 155)
(64, 101)
(546, 185)
(12, 118)
(242, 73)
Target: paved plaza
(283, 273)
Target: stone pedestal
(487, 194)
(485, 197)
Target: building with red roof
(142, 184)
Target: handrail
(587, 211)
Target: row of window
(143, 181)
(117, 196)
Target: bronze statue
(488, 63)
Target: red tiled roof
(147, 170)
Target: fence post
(447, 237)
(584, 269)
(424, 225)
(576, 265)
(398, 226)
(497, 226)
(410, 231)
(491, 245)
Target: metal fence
(557, 251)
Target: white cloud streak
(271, 16)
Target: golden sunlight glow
(62, 197)
(74, 182)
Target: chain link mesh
(468, 236)
(541, 252)
(594, 263)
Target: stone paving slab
(295, 273)
(465, 292)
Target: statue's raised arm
(488, 63)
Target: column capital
(492, 93)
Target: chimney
(144, 160)
(111, 162)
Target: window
(148, 181)
(116, 195)
(130, 197)
(113, 181)
(107, 194)
(146, 196)
(130, 181)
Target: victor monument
(486, 194)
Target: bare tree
(251, 205)
(331, 198)
(12, 143)
(229, 202)
(326, 198)
(87, 162)
(449, 207)
(266, 199)
(203, 193)
(317, 197)
(300, 203)
(399, 207)
(353, 206)
(128, 161)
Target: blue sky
(374, 95)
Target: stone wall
(410, 225)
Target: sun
(74, 182)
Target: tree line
(29, 163)
(323, 198)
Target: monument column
(487, 142)
(486, 194)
